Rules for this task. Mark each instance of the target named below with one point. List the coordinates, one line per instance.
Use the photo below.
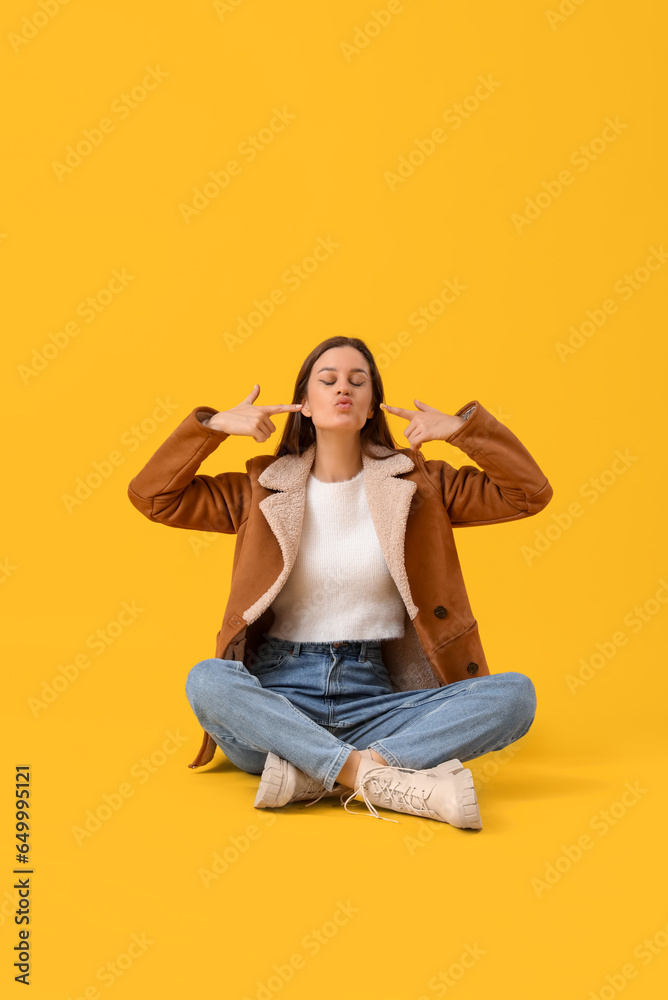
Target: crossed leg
(415, 729)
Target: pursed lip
(344, 404)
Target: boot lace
(390, 793)
(337, 786)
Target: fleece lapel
(388, 500)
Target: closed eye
(356, 384)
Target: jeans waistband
(351, 647)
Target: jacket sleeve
(508, 486)
(167, 489)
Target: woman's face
(340, 373)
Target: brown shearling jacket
(414, 505)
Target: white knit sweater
(339, 587)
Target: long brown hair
(299, 432)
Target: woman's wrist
(211, 420)
(215, 422)
(454, 423)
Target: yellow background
(419, 893)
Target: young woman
(349, 661)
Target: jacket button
(235, 620)
(472, 668)
(440, 611)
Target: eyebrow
(363, 370)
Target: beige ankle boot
(282, 783)
(344, 791)
(446, 793)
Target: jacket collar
(388, 500)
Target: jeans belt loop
(296, 648)
(362, 655)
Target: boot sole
(466, 801)
(273, 790)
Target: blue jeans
(313, 703)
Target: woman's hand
(245, 418)
(426, 424)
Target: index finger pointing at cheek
(407, 414)
(280, 407)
